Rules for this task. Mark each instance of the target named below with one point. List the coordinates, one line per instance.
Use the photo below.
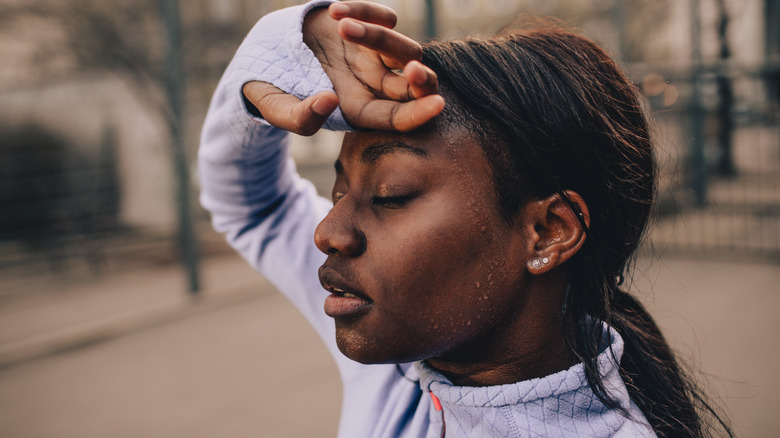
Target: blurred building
(87, 77)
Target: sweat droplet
(477, 285)
(468, 322)
(490, 276)
(484, 297)
(483, 228)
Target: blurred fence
(61, 205)
(56, 201)
(71, 198)
(719, 135)
(61, 201)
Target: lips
(345, 300)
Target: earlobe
(558, 231)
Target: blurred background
(123, 314)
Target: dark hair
(553, 112)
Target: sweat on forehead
(492, 140)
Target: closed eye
(392, 202)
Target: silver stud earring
(545, 260)
(536, 263)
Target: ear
(555, 229)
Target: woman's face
(420, 263)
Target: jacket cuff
(274, 52)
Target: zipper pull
(436, 402)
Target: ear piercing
(536, 263)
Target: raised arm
(248, 180)
(358, 50)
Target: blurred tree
(642, 28)
(141, 41)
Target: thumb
(285, 111)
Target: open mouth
(343, 300)
(341, 293)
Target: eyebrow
(377, 150)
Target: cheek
(429, 248)
(445, 271)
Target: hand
(358, 51)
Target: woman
(475, 249)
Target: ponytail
(669, 399)
(655, 382)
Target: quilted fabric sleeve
(248, 179)
(274, 52)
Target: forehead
(367, 147)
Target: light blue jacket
(268, 213)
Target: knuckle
(394, 122)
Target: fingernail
(416, 72)
(321, 107)
(339, 9)
(422, 77)
(354, 29)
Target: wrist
(313, 29)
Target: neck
(530, 346)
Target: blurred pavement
(133, 355)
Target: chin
(370, 352)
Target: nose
(337, 233)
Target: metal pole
(174, 77)
(698, 181)
(430, 19)
(619, 21)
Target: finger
(285, 111)
(387, 42)
(422, 80)
(364, 11)
(411, 115)
(388, 115)
(417, 81)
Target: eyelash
(392, 202)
